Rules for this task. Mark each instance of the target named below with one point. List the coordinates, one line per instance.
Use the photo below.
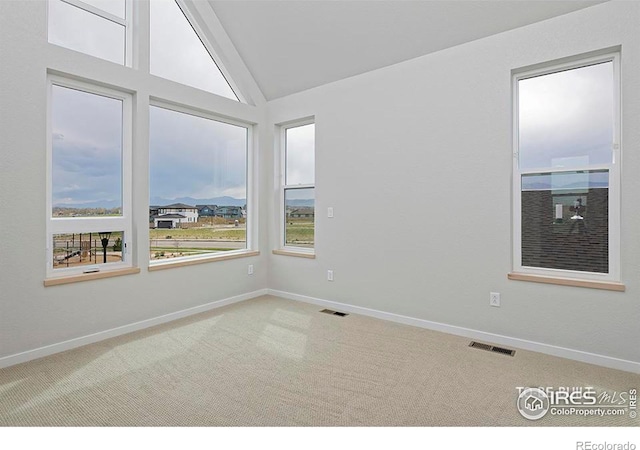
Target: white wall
(32, 316)
(416, 161)
(429, 139)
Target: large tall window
(198, 185)
(566, 170)
(298, 189)
(199, 159)
(89, 178)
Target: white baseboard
(577, 355)
(102, 335)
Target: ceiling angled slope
(291, 46)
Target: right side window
(298, 190)
(566, 170)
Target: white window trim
(126, 23)
(251, 214)
(282, 150)
(97, 11)
(613, 168)
(91, 224)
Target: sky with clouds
(566, 118)
(86, 148)
(191, 156)
(300, 162)
(178, 54)
(300, 154)
(82, 31)
(176, 51)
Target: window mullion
(97, 11)
(86, 225)
(298, 186)
(608, 167)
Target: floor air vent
(334, 313)
(491, 348)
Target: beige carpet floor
(270, 361)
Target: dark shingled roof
(178, 206)
(170, 216)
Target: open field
(211, 237)
(219, 233)
(192, 241)
(300, 232)
(193, 249)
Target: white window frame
(59, 225)
(285, 187)
(249, 221)
(126, 23)
(613, 168)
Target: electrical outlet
(330, 211)
(494, 299)
(329, 275)
(250, 269)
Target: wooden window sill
(215, 258)
(90, 276)
(606, 285)
(294, 253)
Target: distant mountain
(219, 201)
(158, 201)
(105, 205)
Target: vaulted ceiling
(291, 46)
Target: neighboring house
(229, 212)
(304, 212)
(168, 221)
(171, 216)
(207, 210)
(153, 212)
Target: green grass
(191, 250)
(231, 234)
(300, 232)
(172, 252)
